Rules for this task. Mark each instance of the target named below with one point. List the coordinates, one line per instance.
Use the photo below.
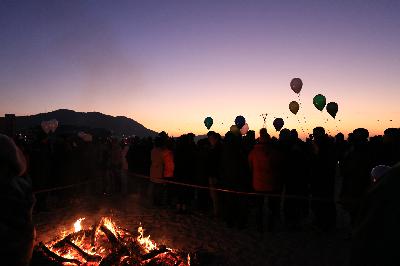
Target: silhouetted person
(391, 147)
(323, 180)
(213, 169)
(296, 180)
(377, 231)
(16, 199)
(355, 170)
(185, 169)
(203, 199)
(233, 177)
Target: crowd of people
(301, 170)
(285, 178)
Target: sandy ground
(197, 230)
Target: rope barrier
(164, 181)
(62, 187)
(234, 191)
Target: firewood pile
(105, 244)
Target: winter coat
(263, 167)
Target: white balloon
(45, 126)
(85, 136)
(53, 125)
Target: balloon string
(305, 121)
(300, 104)
(326, 119)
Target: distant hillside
(117, 125)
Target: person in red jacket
(162, 168)
(263, 161)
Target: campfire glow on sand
(107, 244)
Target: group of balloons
(240, 126)
(319, 102)
(296, 85)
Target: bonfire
(107, 244)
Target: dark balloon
(208, 122)
(294, 107)
(296, 84)
(278, 124)
(319, 101)
(332, 108)
(240, 121)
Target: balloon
(53, 125)
(208, 122)
(294, 107)
(332, 108)
(296, 84)
(278, 123)
(85, 136)
(45, 126)
(240, 121)
(235, 130)
(319, 101)
(244, 129)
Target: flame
(145, 242)
(110, 226)
(77, 224)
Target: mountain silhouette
(118, 125)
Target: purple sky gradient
(169, 64)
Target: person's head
(339, 138)
(12, 160)
(251, 135)
(159, 142)
(293, 134)
(284, 135)
(213, 138)
(360, 135)
(264, 136)
(318, 133)
(163, 135)
(391, 135)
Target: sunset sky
(170, 64)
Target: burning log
(56, 257)
(154, 253)
(114, 246)
(85, 255)
(74, 235)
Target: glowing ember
(77, 224)
(107, 244)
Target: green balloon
(319, 101)
(208, 122)
(332, 108)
